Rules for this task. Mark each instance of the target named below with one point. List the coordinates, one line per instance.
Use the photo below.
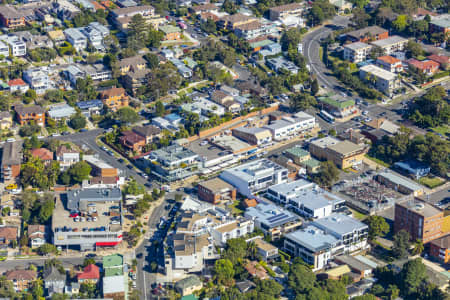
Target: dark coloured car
(130, 167)
(83, 130)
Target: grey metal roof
(75, 197)
(339, 224)
(312, 238)
(12, 153)
(270, 215)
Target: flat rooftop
(389, 41)
(346, 147)
(271, 215)
(92, 159)
(339, 223)
(312, 238)
(420, 207)
(401, 180)
(357, 46)
(208, 151)
(61, 217)
(325, 142)
(217, 185)
(172, 153)
(229, 142)
(378, 72)
(78, 199)
(255, 169)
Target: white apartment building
(357, 52)
(4, 49)
(38, 79)
(391, 44)
(292, 125)
(306, 198)
(384, 81)
(17, 47)
(255, 176)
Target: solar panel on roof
(277, 217)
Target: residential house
(95, 33)
(443, 60)
(38, 79)
(8, 235)
(344, 154)
(17, 47)
(384, 81)
(270, 49)
(287, 10)
(427, 67)
(149, 132)
(30, 114)
(60, 112)
(54, 281)
(76, 38)
(90, 274)
(357, 52)
(66, 157)
(36, 235)
(367, 34)
(5, 120)
(43, 154)
(255, 176)
(171, 33)
(256, 270)
(266, 250)
(188, 285)
(390, 64)
(133, 80)
(391, 44)
(34, 41)
(10, 17)
(22, 279)
(97, 72)
(279, 63)
(273, 220)
(342, 5)
(11, 160)
(184, 71)
(440, 24)
(57, 36)
(216, 190)
(132, 141)
(90, 108)
(114, 98)
(420, 219)
(18, 85)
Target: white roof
(379, 72)
(356, 46)
(389, 41)
(113, 284)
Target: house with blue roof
(413, 168)
(90, 107)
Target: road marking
(145, 285)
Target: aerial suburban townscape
(225, 149)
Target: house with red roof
(18, 85)
(428, 67)
(390, 63)
(44, 154)
(442, 60)
(90, 274)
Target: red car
(73, 215)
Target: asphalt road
(24, 263)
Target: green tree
(300, 278)
(46, 210)
(413, 274)
(78, 121)
(224, 271)
(393, 292)
(88, 261)
(291, 38)
(159, 109)
(134, 188)
(314, 87)
(79, 171)
(236, 250)
(127, 115)
(400, 23)
(46, 249)
(377, 226)
(302, 101)
(418, 247)
(360, 19)
(401, 244)
(152, 60)
(327, 175)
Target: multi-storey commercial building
(306, 198)
(344, 154)
(273, 220)
(255, 176)
(337, 105)
(174, 163)
(11, 160)
(297, 124)
(253, 135)
(216, 190)
(384, 81)
(423, 221)
(357, 52)
(93, 219)
(99, 167)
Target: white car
(10, 140)
(56, 135)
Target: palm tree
(418, 247)
(252, 250)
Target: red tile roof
(98, 5)
(441, 59)
(17, 81)
(21, 275)
(389, 59)
(42, 153)
(8, 233)
(89, 272)
(423, 65)
(112, 92)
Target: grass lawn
(431, 182)
(378, 161)
(444, 129)
(357, 214)
(321, 53)
(234, 208)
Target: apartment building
(367, 34)
(297, 124)
(122, 16)
(390, 64)
(440, 249)
(76, 38)
(133, 63)
(253, 135)
(114, 98)
(132, 141)
(357, 52)
(255, 176)
(344, 154)
(17, 47)
(11, 18)
(255, 29)
(174, 163)
(30, 114)
(422, 220)
(232, 21)
(287, 10)
(273, 220)
(95, 33)
(38, 79)
(11, 160)
(92, 219)
(391, 44)
(171, 33)
(306, 198)
(36, 235)
(216, 190)
(384, 81)
(427, 67)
